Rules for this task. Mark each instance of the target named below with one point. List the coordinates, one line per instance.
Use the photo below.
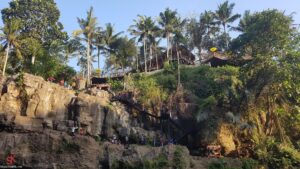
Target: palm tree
(139, 29)
(168, 21)
(89, 30)
(99, 42)
(155, 48)
(178, 40)
(224, 16)
(200, 32)
(109, 37)
(244, 22)
(10, 37)
(153, 32)
(123, 51)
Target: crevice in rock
(4, 89)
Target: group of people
(62, 82)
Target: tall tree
(153, 32)
(99, 43)
(179, 41)
(88, 30)
(170, 22)
(224, 16)
(109, 37)
(40, 19)
(201, 32)
(39, 31)
(10, 35)
(140, 30)
(123, 52)
(266, 33)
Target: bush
(249, 164)
(159, 162)
(178, 159)
(220, 164)
(116, 85)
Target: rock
(50, 102)
(50, 149)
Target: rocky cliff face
(29, 101)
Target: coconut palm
(224, 16)
(178, 40)
(10, 38)
(244, 22)
(88, 30)
(109, 37)
(168, 21)
(153, 32)
(200, 32)
(99, 42)
(154, 41)
(139, 29)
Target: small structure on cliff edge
(103, 82)
(215, 59)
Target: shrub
(178, 159)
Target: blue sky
(122, 12)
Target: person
(161, 141)
(62, 82)
(44, 123)
(143, 140)
(81, 131)
(154, 141)
(50, 79)
(73, 131)
(54, 125)
(114, 139)
(73, 85)
(126, 146)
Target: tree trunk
(88, 62)
(226, 40)
(150, 57)
(33, 60)
(6, 58)
(178, 69)
(168, 41)
(145, 54)
(98, 58)
(137, 61)
(156, 59)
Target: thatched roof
(220, 59)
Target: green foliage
(265, 32)
(249, 164)
(213, 85)
(149, 92)
(178, 159)
(116, 85)
(159, 162)
(122, 52)
(40, 17)
(166, 80)
(38, 29)
(220, 164)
